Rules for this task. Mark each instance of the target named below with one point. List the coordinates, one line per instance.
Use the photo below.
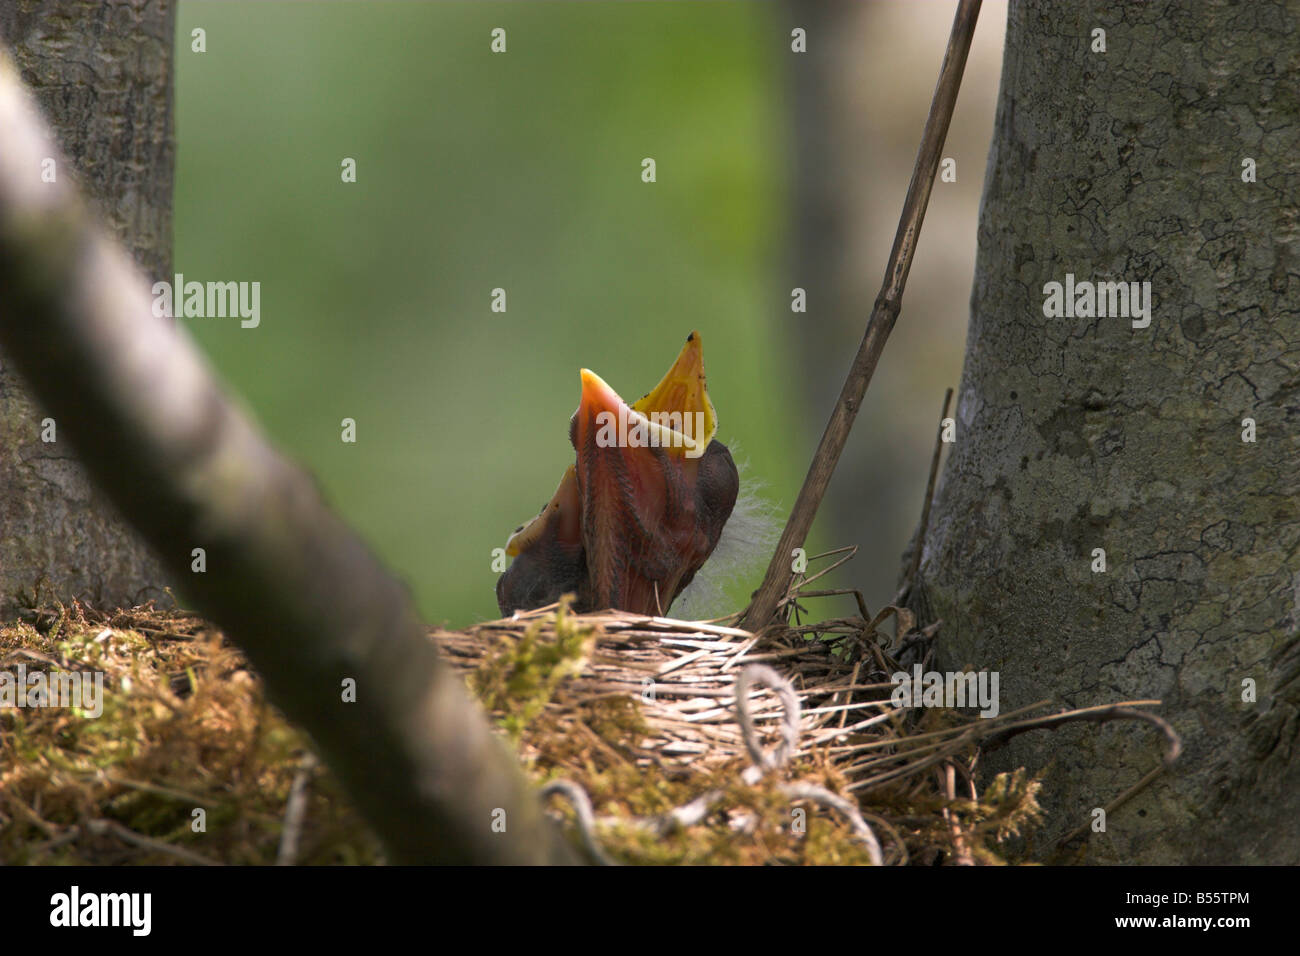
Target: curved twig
(1173, 744)
(766, 760)
(809, 791)
(581, 804)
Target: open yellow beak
(683, 391)
(643, 505)
(675, 415)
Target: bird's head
(642, 507)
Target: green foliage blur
(475, 171)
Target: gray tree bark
(1084, 433)
(102, 75)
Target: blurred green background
(522, 171)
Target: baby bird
(641, 508)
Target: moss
(519, 680)
(185, 727)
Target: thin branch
(883, 316)
(1100, 714)
(919, 544)
(1110, 808)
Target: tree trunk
(102, 74)
(1082, 433)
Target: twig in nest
(581, 803)
(895, 837)
(883, 316)
(685, 816)
(115, 829)
(1173, 746)
(961, 851)
(1100, 714)
(1111, 807)
(919, 543)
(799, 590)
(765, 760)
(808, 791)
(295, 812)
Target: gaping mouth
(681, 397)
(643, 506)
(619, 425)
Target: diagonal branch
(883, 316)
(287, 579)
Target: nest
(669, 741)
(699, 742)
